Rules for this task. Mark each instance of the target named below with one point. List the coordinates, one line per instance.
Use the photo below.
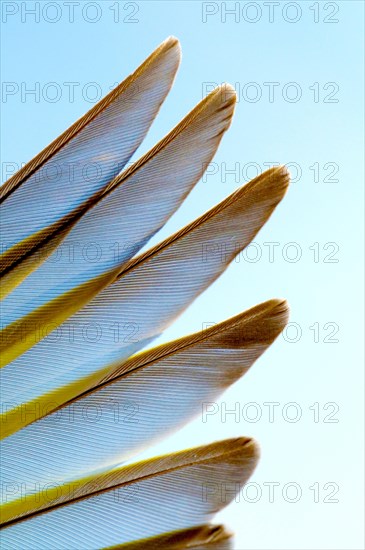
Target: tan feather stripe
(228, 98)
(12, 183)
(189, 538)
(243, 449)
(249, 323)
(273, 183)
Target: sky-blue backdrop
(297, 68)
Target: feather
(61, 180)
(150, 293)
(138, 203)
(73, 331)
(211, 537)
(147, 398)
(170, 493)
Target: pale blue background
(305, 132)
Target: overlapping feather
(143, 400)
(64, 483)
(163, 281)
(55, 186)
(166, 494)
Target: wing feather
(73, 170)
(137, 204)
(150, 293)
(142, 401)
(170, 493)
(211, 537)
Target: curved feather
(137, 204)
(61, 180)
(151, 292)
(63, 485)
(146, 399)
(170, 493)
(210, 537)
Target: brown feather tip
(261, 324)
